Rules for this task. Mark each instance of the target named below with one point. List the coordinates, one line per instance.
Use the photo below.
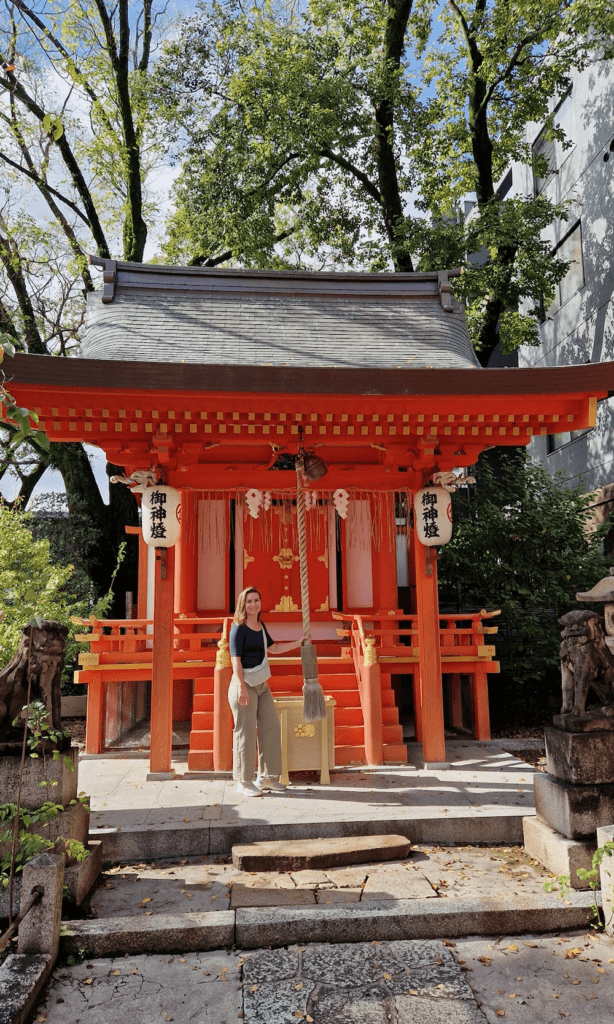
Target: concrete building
(580, 323)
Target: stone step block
(574, 811)
(558, 854)
(296, 855)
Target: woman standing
(251, 700)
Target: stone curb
(281, 926)
(411, 919)
(197, 839)
(164, 933)
(22, 977)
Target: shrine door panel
(358, 555)
(212, 555)
(271, 559)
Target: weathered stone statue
(586, 661)
(45, 654)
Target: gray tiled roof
(243, 318)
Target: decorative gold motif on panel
(324, 558)
(286, 558)
(222, 658)
(304, 731)
(286, 604)
(324, 606)
(247, 558)
(370, 652)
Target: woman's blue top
(248, 644)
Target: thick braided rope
(302, 550)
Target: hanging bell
(313, 467)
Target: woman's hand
(244, 696)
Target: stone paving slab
(520, 977)
(187, 989)
(451, 873)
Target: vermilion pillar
(162, 671)
(186, 563)
(433, 741)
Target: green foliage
(349, 133)
(519, 544)
(23, 419)
(31, 844)
(31, 585)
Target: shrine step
(348, 755)
(202, 720)
(395, 752)
(330, 681)
(202, 702)
(200, 760)
(201, 739)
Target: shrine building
(208, 378)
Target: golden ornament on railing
(370, 651)
(222, 658)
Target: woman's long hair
(240, 614)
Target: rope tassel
(314, 706)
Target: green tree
(79, 145)
(345, 133)
(521, 544)
(32, 584)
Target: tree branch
(14, 88)
(67, 57)
(214, 261)
(372, 189)
(37, 180)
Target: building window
(554, 152)
(569, 249)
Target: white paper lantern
(161, 516)
(433, 516)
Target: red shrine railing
(383, 639)
(121, 653)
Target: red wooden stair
(338, 680)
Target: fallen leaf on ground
(146, 900)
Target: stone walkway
(484, 784)
(209, 884)
(524, 979)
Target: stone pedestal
(576, 797)
(574, 811)
(583, 758)
(61, 784)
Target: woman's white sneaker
(272, 784)
(248, 789)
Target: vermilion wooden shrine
(205, 376)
